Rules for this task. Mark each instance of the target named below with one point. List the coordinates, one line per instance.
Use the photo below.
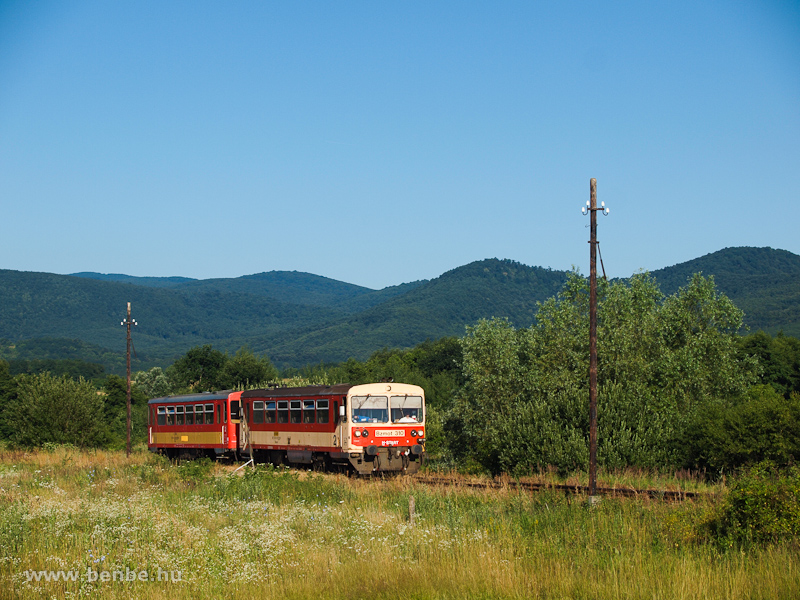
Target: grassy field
(199, 531)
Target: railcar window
(296, 409)
(179, 415)
(258, 412)
(170, 415)
(224, 411)
(189, 414)
(308, 411)
(370, 409)
(198, 414)
(162, 415)
(406, 409)
(323, 411)
(269, 412)
(235, 409)
(283, 411)
(209, 414)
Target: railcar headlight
(364, 433)
(413, 433)
(356, 433)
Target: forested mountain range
(300, 318)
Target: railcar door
(236, 420)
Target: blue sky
(379, 143)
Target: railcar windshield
(370, 409)
(406, 409)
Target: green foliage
(70, 367)
(762, 506)
(763, 425)
(116, 410)
(8, 395)
(59, 410)
(524, 404)
(62, 356)
(154, 383)
(245, 369)
(778, 357)
(200, 369)
(204, 369)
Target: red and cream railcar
(377, 427)
(205, 424)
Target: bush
(762, 506)
(57, 410)
(762, 426)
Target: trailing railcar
(376, 427)
(193, 425)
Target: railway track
(666, 495)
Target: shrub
(57, 410)
(762, 426)
(762, 506)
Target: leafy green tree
(116, 410)
(56, 410)
(763, 425)
(524, 403)
(245, 369)
(778, 358)
(154, 383)
(8, 393)
(201, 369)
(71, 367)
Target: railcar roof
(310, 390)
(201, 397)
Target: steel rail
(668, 495)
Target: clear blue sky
(384, 142)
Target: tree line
(678, 386)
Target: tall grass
(285, 534)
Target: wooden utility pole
(128, 322)
(592, 340)
(592, 208)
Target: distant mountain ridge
(299, 318)
(285, 286)
(763, 282)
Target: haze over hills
(300, 318)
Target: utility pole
(591, 209)
(128, 322)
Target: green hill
(292, 287)
(300, 318)
(763, 282)
(43, 305)
(441, 307)
(166, 282)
